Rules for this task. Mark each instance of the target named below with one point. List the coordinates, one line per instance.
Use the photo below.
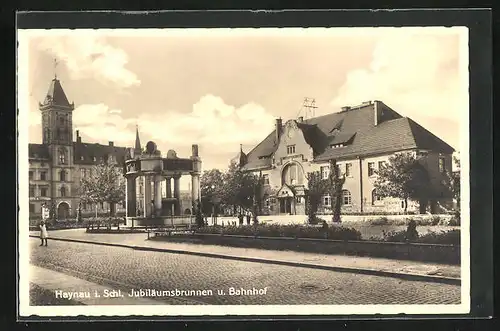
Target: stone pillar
(195, 187)
(177, 195)
(147, 196)
(130, 197)
(157, 195)
(169, 187)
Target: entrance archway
(63, 211)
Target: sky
(220, 88)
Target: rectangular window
(371, 168)
(43, 191)
(83, 173)
(442, 165)
(327, 201)
(348, 169)
(265, 179)
(325, 172)
(43, 175)
(32, 191)
(267, 202)
(339, 170)
(32, 207)
(290, 149)
(31, 175)
(381, 164)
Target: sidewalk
(64, 285)
(411, 270)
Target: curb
(370, 272)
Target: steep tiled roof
(56, 95)
(38, 151)
(355, 128)
(86, 152)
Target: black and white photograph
(243, 171)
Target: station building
(361, 139)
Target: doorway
(63, 211)
(286, 205)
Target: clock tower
(57, 131)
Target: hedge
(451, 237)
(292, 231)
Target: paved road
(128, 269)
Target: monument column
(169, 187)
(147, 196)
(177, 195)
(157, 195)
(195, 175)
(130, 197)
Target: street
(128, 269)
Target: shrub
(380, 221)
(290, 231)
(395, 236)
(451, 237)
(411, 231)
(435, 220)
(455, 219)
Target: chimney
(111, 144)
(376, 112)
(78, 138)
(301, 119)
(278, 128)
(194, 150)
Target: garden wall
(447, 254)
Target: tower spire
(137, 140)
(55, 68)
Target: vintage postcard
(269, 172)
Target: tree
(405, 178)
(104, 184)
(240, 188)
(335, 184)
(452, 181)
(317, 187)
(212, 186)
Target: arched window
(375, 197)
(346, 197)
(63, 191)
(62, 176)
(62, 156)
(292, 175)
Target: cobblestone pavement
(127, 269)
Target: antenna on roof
(308, 106)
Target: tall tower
(57, 126)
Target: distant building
(361, 139)
(59, 162)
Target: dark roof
(88, 151)
(38, 151)
(355, 129)
(56, 95)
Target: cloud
(418, 75)
(217, 127)
(90, 56)
(414, 73)
(101, 124)
(211, 122)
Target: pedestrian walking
(240, 219)
(44, 235)
(248, 219)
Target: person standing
(44, 235)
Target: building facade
(361, 139)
